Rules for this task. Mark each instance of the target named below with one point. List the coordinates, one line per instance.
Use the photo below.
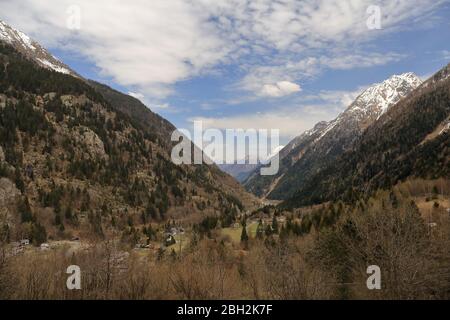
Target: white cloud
(352, 61)
(137, 95)
(339, 99)
(280, 89)
(292, 120)
(445, 55)
(160, 106)
(257, 77)
(148, 46)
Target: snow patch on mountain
(32, 50)
(12, 36)
(374, 102)
(53, 66)
(380, 97)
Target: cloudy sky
(283, 64)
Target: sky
(269, 64)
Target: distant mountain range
(242, 169)
(239, 171)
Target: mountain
(79, 158)
(317, 148)
(289, 155)
(32, 50)
(239, 171)
(410, 140)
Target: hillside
(319, 147)
(72, 161)
(409, 140)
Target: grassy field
(235, 233)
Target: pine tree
(39, 235)
(260, 230)
(19, 182)
(275, 225)
(68, 214)
(25, 211)
(244, 235)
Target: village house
(169, 240)
(173, 231)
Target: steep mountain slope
(289, 155)
(75, 160)
(409, 140)
(137, 112)
(322, 145)
(31, 49)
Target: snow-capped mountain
(375, 101)
(32, 50)
(310, 151)
(410, 140)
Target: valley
(87, 179)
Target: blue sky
(280, 64)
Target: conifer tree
(25, 211)
(244, 235)
(260, 230)
(275, 225)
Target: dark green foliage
(274, 225)
(149, 232)
(21, 74)
(260, 230)
(19, 181)
(24, 210)
(388, 237)
(244, 235)
(4, 172)
(207, 224)
(39, 234)
(96, 223)
(50, 119)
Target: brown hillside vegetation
(326, 262)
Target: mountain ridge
(79, 163)
(316, 147)
(408, 141)
(32, 49)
